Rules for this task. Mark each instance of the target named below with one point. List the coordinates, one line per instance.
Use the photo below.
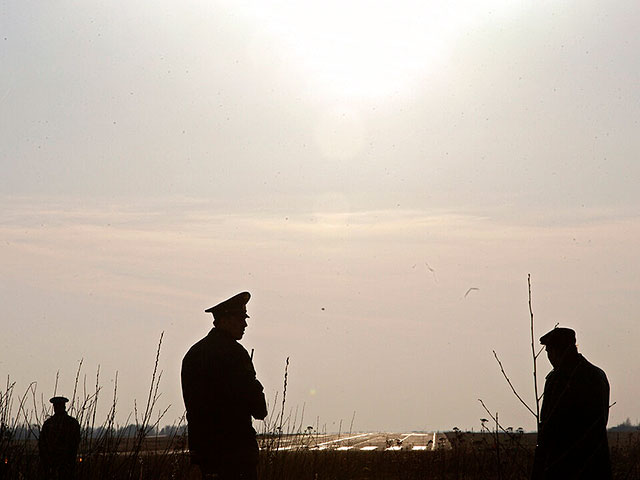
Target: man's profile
(221, 394)
(58, 442)
(572, 438)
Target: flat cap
(559, 337)
(236, 305)
(55, 400)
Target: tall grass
(108, 450)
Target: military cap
(559, 337)
(236, 305)
(55, 400)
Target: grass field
(288, 452)
(469, 456)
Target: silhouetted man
(572, 438)
(58, 442)
(221, 394)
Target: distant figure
(221, 394)
(58, 442)
(572, 439)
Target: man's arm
(76, 435)
(258, 403)
(249, 388)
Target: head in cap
(559, 342)
(59, 404)
(230, 316)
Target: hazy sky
(357, 166)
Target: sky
(357, 166)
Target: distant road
(366, 442)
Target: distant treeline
(625, 426)
(26, 432)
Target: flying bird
(469, 291)
(432, 271)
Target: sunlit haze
(381, 176)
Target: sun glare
(368, 48)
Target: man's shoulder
(551, 376)
(70, 422)
(226, 345)
(588, 366)
(589, 370)
(215, 346)
(59, 419)
(198, 347)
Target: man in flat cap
(572, 438)
(58, 442)
(221, 394)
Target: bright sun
(370, 48)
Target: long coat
(58, 445)
(221, 394)
(572, 439)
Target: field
(142, 451)
(358, 456)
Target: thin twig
(95, 408)
(75, 387)
(284, 394)
(504, 374)
(502, 429)
(31, 388)
(153, 387)
(351, 425)
(535, 358)
(55, 387)
(498, 450)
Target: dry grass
(108, 451)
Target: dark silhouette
(572, 438)
(58, 442)
(221, 394)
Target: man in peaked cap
(572, 436)
(58, 442)
(221, 394)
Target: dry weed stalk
(534, 358)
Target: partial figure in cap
(572, 438)
(58, 442)
(221, 394)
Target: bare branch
(535, 357)
(495, 419)
(512, 437)
(75, 387)
(504, 374)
